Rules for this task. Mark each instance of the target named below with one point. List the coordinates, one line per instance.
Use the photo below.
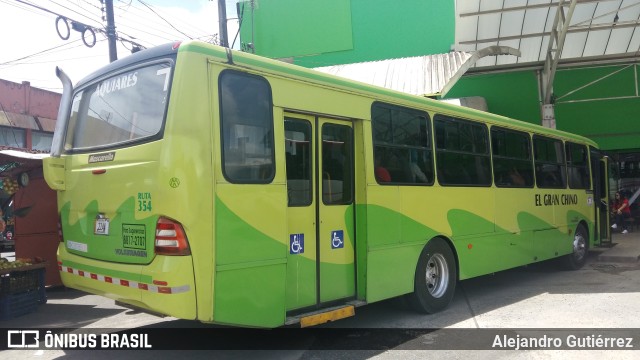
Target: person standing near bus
(621, 212)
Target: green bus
(209, 184)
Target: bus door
(336, 246)
(600, 180)
(320, 162)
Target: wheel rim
(437, 275)
(579, 246)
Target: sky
(32, 47)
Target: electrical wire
(99, 30)
(90, 18)
(157, 34)
(34, 54)
(56, 60)
(178, 21)
(165, 20)
(37, 7)
(22, 7)
(142, 19)
(121, 36)
(85, 9)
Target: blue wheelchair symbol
(296, 244)
(337, 239)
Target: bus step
(357, 303)
(322, 316)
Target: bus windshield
(126, 107)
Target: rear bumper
(165, 286)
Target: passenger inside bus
(516, 178)
(415, 173)
(382, 174)
(547, 176)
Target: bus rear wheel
(435, 278)
(578, 256)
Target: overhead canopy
(420, 75)
(13, 162)
(603, 29)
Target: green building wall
(316, 33)
(599, 102)
(510, 94)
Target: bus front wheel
(435, 278)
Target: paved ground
(605, 294)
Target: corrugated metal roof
(8, 118)
(420, 75)
(48, 125)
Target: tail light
(170, 238)
(60, 237)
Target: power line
(126, 25)
(22, 7)
(55, 60)
(34, 54)
(178, 20)
(165, 20)
(37, 7)
(83, 15)
(141, 18)
(79, 24)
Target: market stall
(22, 287)
(29, 211)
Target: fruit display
(10, 186)
(21, 262)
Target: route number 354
(144, 205)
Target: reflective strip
(126, 283)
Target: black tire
(435, 278)
(578, 256)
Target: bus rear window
(123, 108)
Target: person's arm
(625, 204)
(418, 173)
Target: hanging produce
(9, 185)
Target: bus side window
(401, 145)
(550, 163)
(462, 152)
(512, 160)
(247, 128)
(578, 166)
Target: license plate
(102, 226)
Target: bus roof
(282, 68)
(137, 57)
(300, 73)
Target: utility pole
(222, 19)
(111, 31)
